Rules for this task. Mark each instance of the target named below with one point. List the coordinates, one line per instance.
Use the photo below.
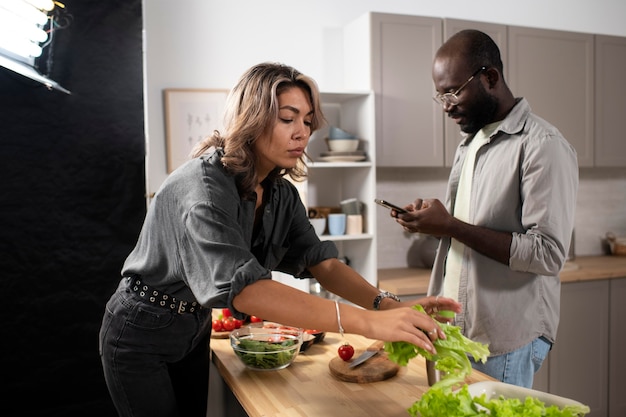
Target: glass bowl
(266, 346)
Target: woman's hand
(403, 324)
(432, 305)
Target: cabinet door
(617, 349)
(554, 70)
(410, 132)
(610, 146)
(578, 366)
(498, 33)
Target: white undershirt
(461, 211)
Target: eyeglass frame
(444, 98)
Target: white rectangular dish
(495, 389)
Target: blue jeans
(155, 361)
(517, 367)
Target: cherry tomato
(345, 351)
(226, 313)
(217, 325)
(255, 319)
(238, 323)
(229, 324)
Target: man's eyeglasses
(453, 97)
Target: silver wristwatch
(381, 295)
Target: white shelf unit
(329, 183)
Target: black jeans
(155, 361)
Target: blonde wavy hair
(251, 111)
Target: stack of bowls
(341, 141)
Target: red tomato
(229, 324)
(238, 323)
(345, 351)
(217, 326)
(255, 319)
(226, 313)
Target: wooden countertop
(306, 387)
(412, 281)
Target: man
(506, 227)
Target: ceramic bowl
(343, 145)
(337, 133)
(310, 337)
(317, 334)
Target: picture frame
(190, 116)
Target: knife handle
(376, 346)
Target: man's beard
(483, 113)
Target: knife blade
(371, 350)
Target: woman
(214, 232)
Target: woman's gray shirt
(197, 238)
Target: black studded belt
(158, 298)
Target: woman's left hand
(434, 304)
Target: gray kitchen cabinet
(573, 80)
(579, 361)
(610, 90)
(617, 348)
(554, 70)
(588, 363)
(396, 63)
(452, 133)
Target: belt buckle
(181, 307)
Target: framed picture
(190, 116)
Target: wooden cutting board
(377, 368)
(219, 335)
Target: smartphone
(389, 205)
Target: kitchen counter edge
(414, 281)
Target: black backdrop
(72, 187)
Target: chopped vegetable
(451, 355)
(451, 359)
(258, 354)
(448, 314)
(437, 402)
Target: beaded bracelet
(339, 318)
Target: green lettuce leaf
(451, 356)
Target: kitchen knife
(371, 350)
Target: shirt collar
(513, 122)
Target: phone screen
(390, 206)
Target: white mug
(337, 223)
(354, 224)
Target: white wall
(210, 43)
(601, 207)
